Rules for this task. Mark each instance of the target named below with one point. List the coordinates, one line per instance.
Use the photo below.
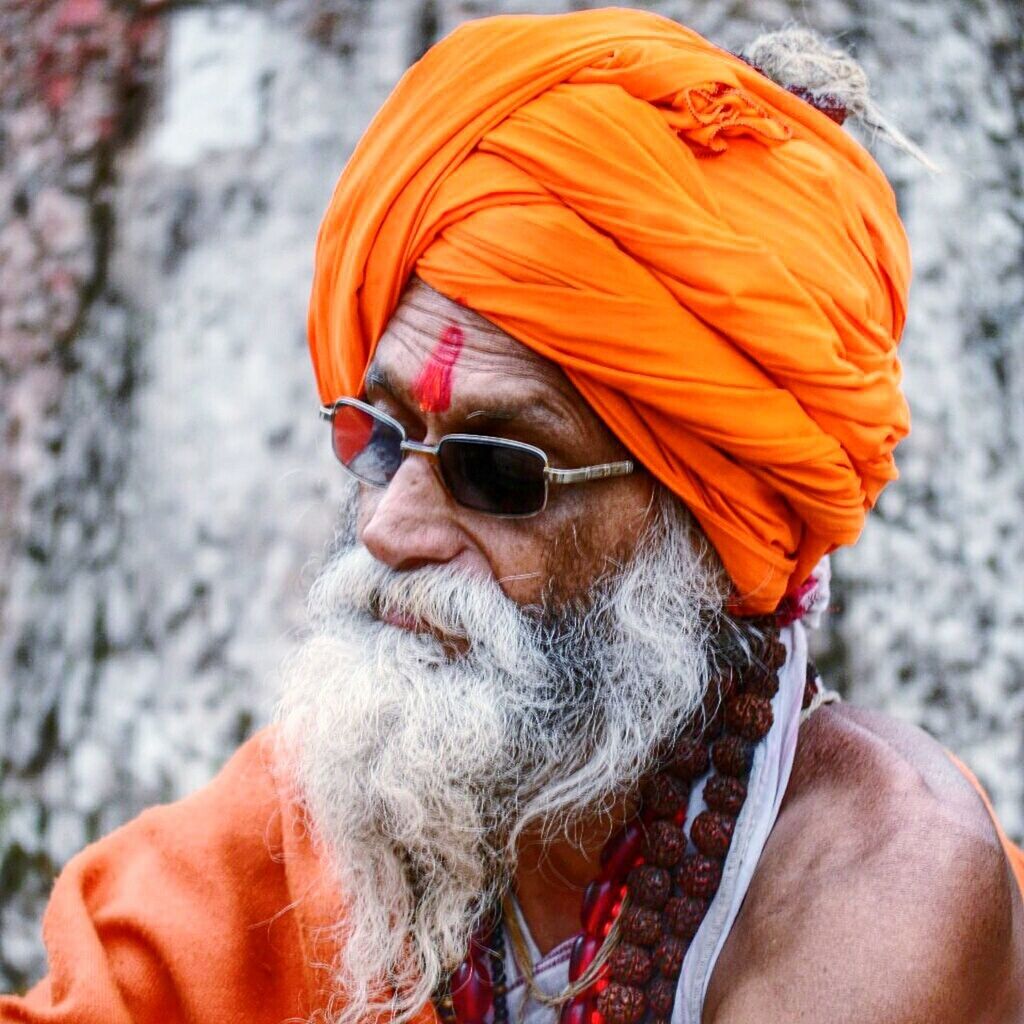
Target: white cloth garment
(769, 776)
(550, 975)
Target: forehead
(428, 327)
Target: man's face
(583, 640)
(442, 369)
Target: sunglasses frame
(560, 477)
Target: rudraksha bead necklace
(654, 886)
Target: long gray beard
(421, 764)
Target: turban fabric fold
(718, 267)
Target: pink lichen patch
(106, 125)
(80, 13)
(58, 90)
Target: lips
(408, 622)
(454, 647)
(396, 618)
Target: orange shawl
(215, 908)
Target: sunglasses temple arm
(585, 473)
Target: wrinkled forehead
(434, 347)
(425, 312)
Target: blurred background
(166, 489)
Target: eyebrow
(378, 377)
(492, 414)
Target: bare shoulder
(883, 893)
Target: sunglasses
(487, 474)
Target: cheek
(599, 533)
(559, 554)
(518, 553)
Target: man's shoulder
(230, 827)
(883, 892)
(214, 907)
(865, 768)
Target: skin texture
(882, 894)
(500, 388)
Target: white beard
(420, 768)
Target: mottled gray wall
(165, 491)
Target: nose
(411, 522)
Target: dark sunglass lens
(369, 448)
(492, 477)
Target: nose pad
(420, 448)
(429, 454)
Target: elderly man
(604, 324)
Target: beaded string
(478, 984)
(525, 964)
(655, 884)
(497, 947)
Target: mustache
(443, 599)
(458, 615)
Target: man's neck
(549, 887)
(550, 879)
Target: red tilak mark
(433, 387)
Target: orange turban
(718, 267)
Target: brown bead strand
(631, 965)
(811, 685)
(659, 930)
(669, 891)
(726, 794)
(711, 832)
(665, 844)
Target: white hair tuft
(799, 59)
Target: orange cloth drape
(215, 908)
(719, 268)
(1014, 854)
(204, 910)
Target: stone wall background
(165, 492)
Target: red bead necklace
(654, 886)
